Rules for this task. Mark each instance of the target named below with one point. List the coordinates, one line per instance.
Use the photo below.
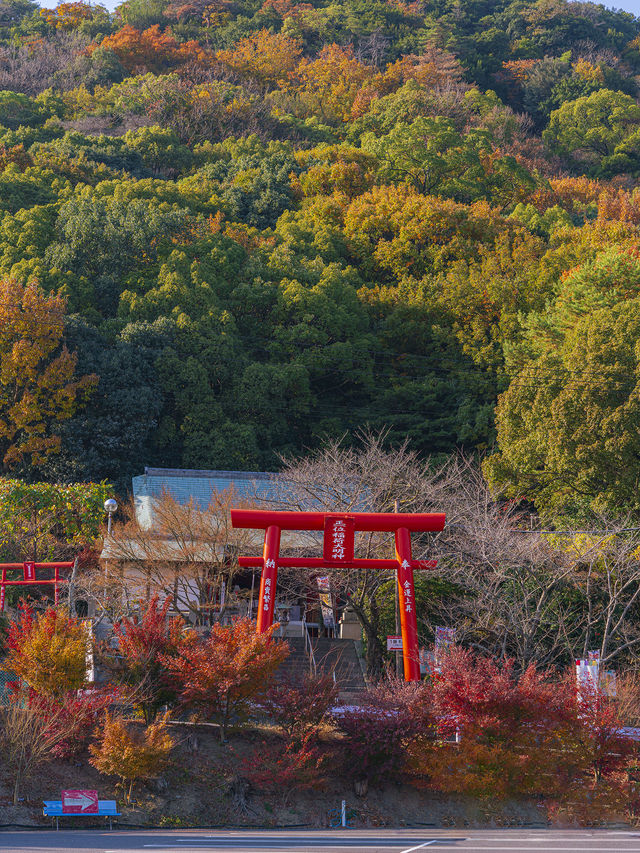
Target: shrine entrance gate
(338, 552)
(28, 578)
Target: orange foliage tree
(69, 16)
(37, 383)
(153, 50)
(335, 85)
(265, 57)
(15, 154)
(130, 753)
(219, 676)
(433, 68)
(395, 229)
(48, 650)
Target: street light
(110, 506)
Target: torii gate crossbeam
(28, 569)
(338, 552)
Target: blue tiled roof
(185, 485)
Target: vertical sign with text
(338, 538)
(29, 571)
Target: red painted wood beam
(10, 566)
(376, 522)
(320, 563)
(32, 583)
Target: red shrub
(74, 717)
(299, 707)
(287, 766)
(377, 733)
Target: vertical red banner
(339, 538)
(407, 601)
(269, 579)
(29, 571)
(2, 594)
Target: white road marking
(420, 846)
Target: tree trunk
(16, 789)
(373, 656)
(225, 720)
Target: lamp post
(110, 506)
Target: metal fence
(5, 678)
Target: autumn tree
(335, 86)
(265, 57)
(78, 15)
(48, 651)
(131, 753)
(512, 729)
(29, 738)
(142, 641)
(219, 676)
(38, 388)
(433, 68)
(520, 734)
(152, 49)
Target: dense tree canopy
(269, 223)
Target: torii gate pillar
(339, 553)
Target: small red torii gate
(29, 576)
(338, 552)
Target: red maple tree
(219, 676)
(138, 664)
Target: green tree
(595, 128)
(567, 424)
(44, 521)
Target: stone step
(331, 655)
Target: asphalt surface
(312, 841)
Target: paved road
(350, 841)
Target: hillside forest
(232, 229)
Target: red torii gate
(338, 551)
(29, 576)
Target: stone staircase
(339, 656)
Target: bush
(299, 707)
(520, 734)
(376, 735)
(285, 767)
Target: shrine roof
(199, 486)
